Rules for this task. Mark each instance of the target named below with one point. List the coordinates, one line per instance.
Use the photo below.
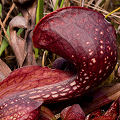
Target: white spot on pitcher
(91, 53)
(22, 95)
(32, 92)
(80, 79)
(101, 41)
(90, 64)
(53, 92)
(87, 87)
(85, 74)
(86, 78)
(96, 29)
(93, 60)
(70, 91)
(36, 96)
(73, 83)
(75, 88)
(101, 52)
(100, 71)
(111, 53)
(62, 94)
(39, 91)
(84, 81)
(61, 89)
(55, 95)
(101, 32)
(87, 43)
(107, 67)
(46, 96)
(72, 56)
(58, 86)
(67, 89)
(95, 38)
(101, 47)
(95, 79)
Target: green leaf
(20, 31)
(36, 52)
(0, 10)
(3, 46)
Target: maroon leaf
(119, 109)
(73, 112)
(83, 37)
(31, 79)
(19, 108)
(101, 97)
(26, 84)
(110, 114)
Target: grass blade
(40, 10)
(39, 15)
(62, 2)
(56, 4)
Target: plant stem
(112, 12)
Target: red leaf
(110, 114)
(94, 114)
(73, 112)
(119, 105)
(104, 118)
(112, 111)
